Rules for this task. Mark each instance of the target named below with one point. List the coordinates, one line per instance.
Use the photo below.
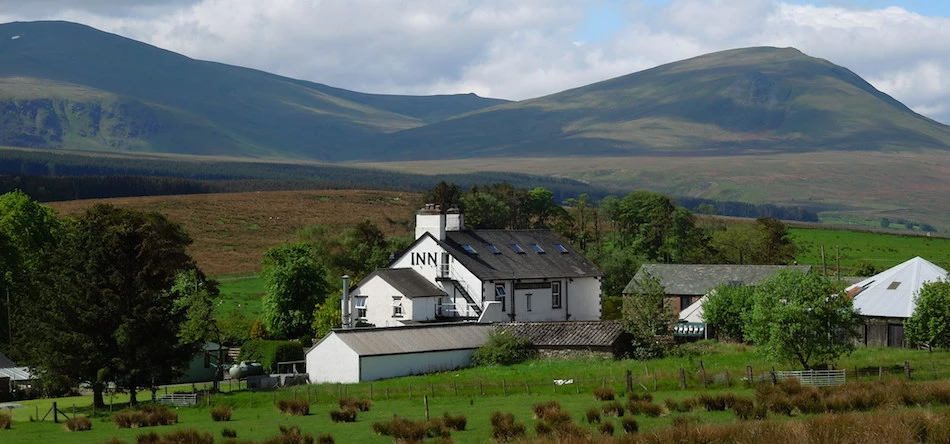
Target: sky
(518, 49)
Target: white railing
(818, 378)
(179, 399)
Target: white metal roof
(414, 338)
(694, 312)
(891, 292)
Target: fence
(179, 399)
(817, 378)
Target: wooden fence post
(774, 378)
(682, 379)
(907, 369)
(880, 372)
(504, 387)
(629, 381)
(425, 400)
(702, 371)
(654, 380)
(749, 376)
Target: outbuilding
(368, 354)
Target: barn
(886, 300)
(368, 354)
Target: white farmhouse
(450, 273)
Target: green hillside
(65, 85)
(754, 100)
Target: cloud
(521, 49)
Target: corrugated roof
(509, 264)
(688, 279)
(407, 281)
(415, 338)
(567, 333)
(16, 373)
(891, 292)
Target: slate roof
(407, 281)
(413, 339)
(891, 292)
(567, 333)
(685, 279)
(509, 264)
(5, 362)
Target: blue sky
(518, 49)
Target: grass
(881, 250)
(241, 294)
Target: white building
(368, 354)
(450, 273)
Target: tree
(295, 283)
(802, 317)
(726, 308)
(327, 316)
(484, 211)
(775, 245)
(929, 326)
(445, 195)
(648, 316)
(105, 312)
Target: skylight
(894, 285)
(517, 248)
(493, 249)
(469, 249)
(537, 248)
(560, 248)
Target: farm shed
(368, 354)
(571, 339)
(886, 300)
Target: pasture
(476, 393)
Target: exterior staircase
(461, 289)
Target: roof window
(560, 248)
(517, 248)
(894, 285)
(537, 248)
(493, 249)
(469, 249)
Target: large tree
(726, 308)
(295, 284)
(106, 312)
(929, 325)
(802, 317)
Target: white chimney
(454, 220)
(430, 220)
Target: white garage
(368, 354)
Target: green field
(850, 248)
(240, 294)
(475, 393)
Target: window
(560, 248)
(685, 301)
(517, 248)
(444, 265)
(556, 294)
(360, 307)
(397, 307)
(469, 249)
(500, 290)
(527, 299)
(537, 248)
(894, 285)
(493, 249)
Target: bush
(295, 407)
(717, 402)
(502, 348)
(593, 415)
(684, 406)
(504, 427)
(604, 394)
(362, 405)
(345, 415)
(685, 420)
(744, 408)
(289, 435)
(382, 428)
(544, 409)
(5, 421)
(407, 431)
(269, 353)
(629, 425)
(78, 424)
(147, 416)
(607, 428)
(228, 433)
(325, 438)
(190, 436)
(219, 414)
(613, 408)
(644, 408)
(456, 423)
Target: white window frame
(359, 302)
(398, 311)
(556, 301)
(527, 299)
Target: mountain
(753, 100)
(65, 85)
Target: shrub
(629, 424)
(221, 414)
(593, 415)
(456, 423)
(685, 420)
(436, 428)
(644, 408)
(147, 416)
(269, 353)
(289, 435)
(406, 431)
(362, 405)
(325, 438)
(717, 402)
(228, 433)
(744, 408)
(684, 406)
(607, 428)
(78, 424)
(614, 408)
(189, 436)
(295, 407)
(345, 415)
(504, 427)
(544, 409)
(502, 348)
(382, 428)
(604, 394)
(543, 429)
(148, 438)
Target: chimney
(345, 303)
(430, 220)
(454, 220)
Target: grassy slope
(753, 99)
(194, 106)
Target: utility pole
(9, 317)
